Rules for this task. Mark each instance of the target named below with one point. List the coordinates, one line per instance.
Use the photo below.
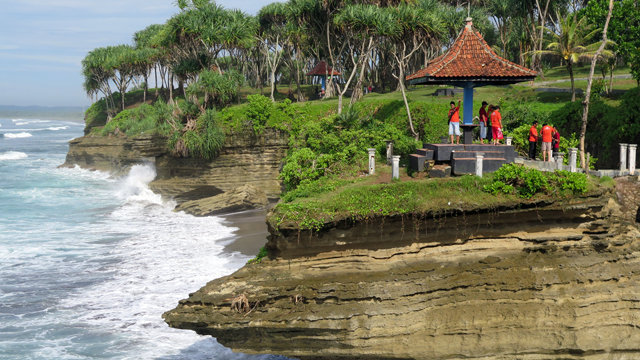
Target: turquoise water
(89, 262)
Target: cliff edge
(544, 281)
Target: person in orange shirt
(496, 125)
(533, 140)
(547, 132)
(454, 121)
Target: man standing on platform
(547, 131)
(483, 122)
(454, 122)
(533, 140)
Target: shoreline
(251, 233)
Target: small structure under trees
(322, 70)
(469, 63)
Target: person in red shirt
(496, 125)
(483, 122)
(547, 132)
(454, 121)
(533, 140)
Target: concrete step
(426, 152)
(417, 162)
(462, 166)
(472, 154)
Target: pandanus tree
(273, 34)
(573, 42)
(359, 25)
(122, 62)
(148, 55)
(409, 29)
(97, 75)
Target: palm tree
(572, 43)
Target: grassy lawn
(561, 72)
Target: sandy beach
(251, 234)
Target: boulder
(241, 198)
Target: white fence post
(372, 161)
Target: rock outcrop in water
(546, 282)
(244, 159)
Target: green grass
(561, 72)
(365, 198)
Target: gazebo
(322, 70)
(470, 63)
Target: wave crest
(13, 155)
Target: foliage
(528, 182)
(359, 200)
(259, 109)
(623, 29)
(217, 90)
(142, 119)
(262, 253)
(206, 139)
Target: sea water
(89, 262)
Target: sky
(42, 42)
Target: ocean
(89, 262)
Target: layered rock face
(244, 159)
(549, 282)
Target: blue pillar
(323, 79)
(468, 105)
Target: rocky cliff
(545, 282)
(244, 159)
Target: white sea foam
(17, 135)
(13, 155)
(164, 256)
(56, 128)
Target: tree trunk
(273, 83)
(155, 73)
(573, 86)
(146, 87)
(587, 96)
(170, 86)
(406, 105)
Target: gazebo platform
(462, 158)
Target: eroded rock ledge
(244, 159)
(542, 283)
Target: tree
(572, 42)
(97, 75)
(273, 35)
(359, 24)
(624, 28)
(585, 112)
(410, 28)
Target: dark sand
(251, 234)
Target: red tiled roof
(323, 69)
(470, 57)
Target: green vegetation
(211, 66)
(262, 253)
(527, 182)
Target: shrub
(525, 180)
(576, 183)
(206, 140)
(142, 119)
(258, 111)
(262, 253)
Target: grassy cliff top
(321, 204)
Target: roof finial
(469, 8)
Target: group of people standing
(550, 137)
(492, 113)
